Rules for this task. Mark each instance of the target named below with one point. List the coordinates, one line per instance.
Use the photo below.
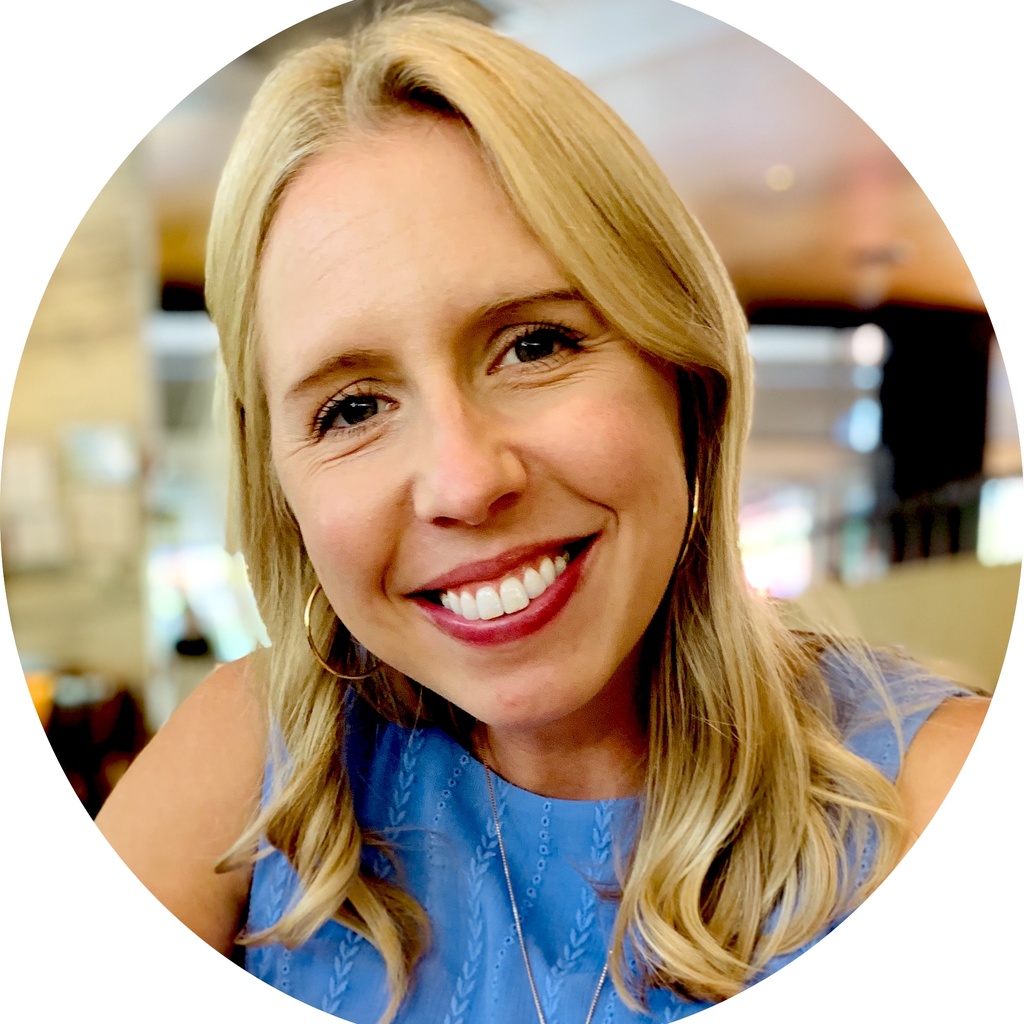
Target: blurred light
(1000, 539)
(775, 543)
(775, 343)
(866, 378)
(861, 428)
(213, 584)
(868, 345)
(179, 333)
(858, 499)
(779, 177)
(101, 453)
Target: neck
(598, 754)
(587, 771)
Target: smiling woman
(537, 747)
(471, 425)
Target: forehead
(407, 221)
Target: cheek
(626, 445)
(344, 534)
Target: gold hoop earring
(692, 526)
(316, 654)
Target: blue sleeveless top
(428, 796)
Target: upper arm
(187, 798)
(935, 757)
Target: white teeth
(513, 596)
(533, 584)
(488, 604)
(468, 607)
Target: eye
(357, 408)
(536, 342)
(346, 411)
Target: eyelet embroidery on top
(271, 893)
(348, 947)
(484, 855)
(573, 952)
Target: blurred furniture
(953, 614)
(95, 728)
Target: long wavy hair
(752, 808)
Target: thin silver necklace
(515, 916)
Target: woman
(535, 752)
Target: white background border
(941, 83)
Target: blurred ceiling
(805, 203)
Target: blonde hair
(752, 806)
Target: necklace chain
(515, 916)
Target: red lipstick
(495, 568)
(508, 628)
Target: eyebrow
(363, 358)
(505, 303)
(351, 359)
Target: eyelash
(327, 416)
(568, 337)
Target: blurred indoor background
(882, 493)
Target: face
(489, 482)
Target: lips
(506, 598)
(511, 595)
(489, 570)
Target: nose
(467, 468)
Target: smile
(512, 595)
(500, 606)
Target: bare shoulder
(935, 757)
(188, 796)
